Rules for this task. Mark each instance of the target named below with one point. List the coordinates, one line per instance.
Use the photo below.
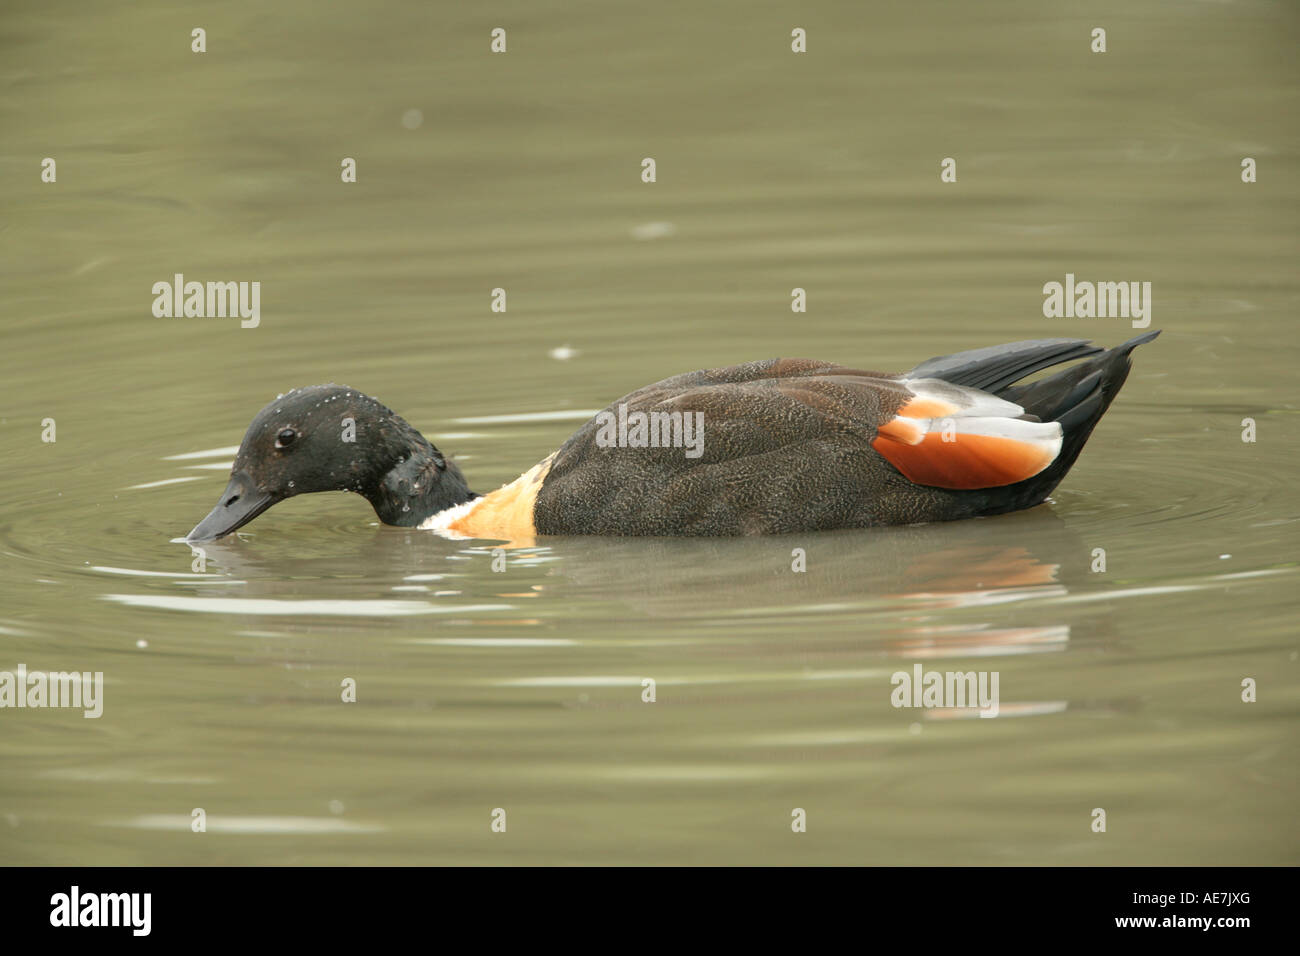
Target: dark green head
(334, 438)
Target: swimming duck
(782, 445)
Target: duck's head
(334, 438)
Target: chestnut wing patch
(950, 436)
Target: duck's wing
(786, 445)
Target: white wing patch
(939, 398)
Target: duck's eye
(285, 438)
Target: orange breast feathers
(506, 513)
(949, 436)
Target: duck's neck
(421, 483)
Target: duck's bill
(239, 504)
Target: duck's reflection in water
(969, 564)
(845, 599)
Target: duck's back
(786, 446)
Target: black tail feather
(994, 368)
(1053, 398)
(1076, 397)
